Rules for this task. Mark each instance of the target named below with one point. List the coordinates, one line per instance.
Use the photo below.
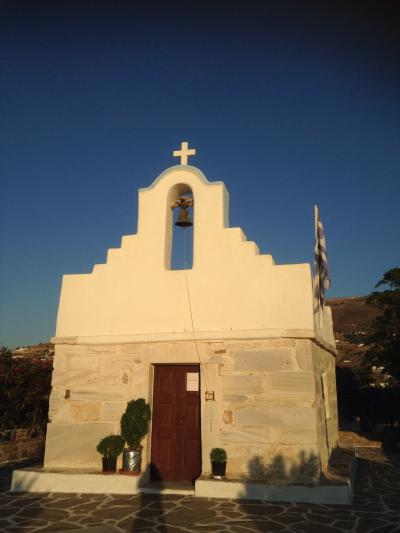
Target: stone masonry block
(67, 349)
(80, 362)
(87, 385)
(59, 362)
(86, 411)
(259, 344)
(106, 349)
(250, 435)
(112, 411)
(133, 349)
(74, 445)
(91, 394)
(235, 398)
(88, 377)
(304, 355)
(300, 436)
(62, 413)
(266, 360)
(292, 382)
(56, 403)
(242, 384)
(278, 417)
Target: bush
(111, 446)
(218, 455)
(25, 385)
(135, 422)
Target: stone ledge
(42, 481)
(73, 481)
(240, 490)
(186, 336)
(335, 485)
(57, 480)
(205, 336)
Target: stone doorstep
(168, 487)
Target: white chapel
(233, 352)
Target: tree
(384, 338)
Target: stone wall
(327, 414)
(17, 445)
(269, 420)
(90, 388)
(268, 412)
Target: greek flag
(321, 260)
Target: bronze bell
(184, 220)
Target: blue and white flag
(321, 259)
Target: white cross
(184, 152)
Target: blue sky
(289, 103)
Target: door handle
(180, 422)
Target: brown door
(176, 440)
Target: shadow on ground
(376, 509)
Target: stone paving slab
(376, 509)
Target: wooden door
(176, 439)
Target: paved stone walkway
(376, 508)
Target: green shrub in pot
(218, 462)
(110, 447)
(134, 427)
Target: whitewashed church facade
(232, 353)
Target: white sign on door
(192, 381)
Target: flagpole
(316, 241)
(317, 277)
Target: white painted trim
(174, 168)
(187, 336)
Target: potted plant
(110, 447)
(134, 427)
(218, 462)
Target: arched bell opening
(180, 228)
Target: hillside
(351, 321)
(351, 315)
(41, 349)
